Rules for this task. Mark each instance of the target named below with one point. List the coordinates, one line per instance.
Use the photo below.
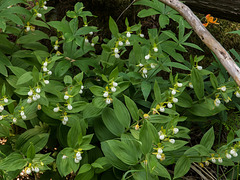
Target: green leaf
(74, 137)
(147, 12)
(230, 136)
(121, 113)
(208, 139)
(163, 20)
(32, 37)
(99, 102)
(62, 67)
(182, 167)
(13, 162)
(176, 65)
(97, 90)
(25, 78)
(157, 92)
(113, 27)
(146, 89)
(111, 122)
(123, 152)
(132, 107)
(17, 70)
(214, 81)
(67, 80)
(198, 84)
(31, 151)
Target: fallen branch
(207, 38)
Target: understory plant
(125, 113)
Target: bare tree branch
(207, 38)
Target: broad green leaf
(25, 78)
(32, 37)
(113, 27)
(97, 90)
(111, 122)
(198, 84)
(182, 167)
(146, 89)
(157, 92)
(74, 137)
(121, 113)
(62, 67)
(146, 137)
(31, 151)
(147, 12)
(208, 139)
(132, 107)
(163, 20)
(13, 162)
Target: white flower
(69, 107)
(144, 75)
(233, 151)
(55, 47)
(228, 156)
(174, 92)
(152, 65)
(235, 154)
(127, 42)
(66, 97)
(82, 87)
(226, 100)
(46, 81)
(141, 35)
(30, 93)
(160, 151)
(24, 117)
(28, 171)
(179, 84)
(64, 157)
(147, 56)
(1, 117)
(28, 28)
(45, 2)
(45, 63)
(213, 160)
(76, 160)
(22, 113)
(190, 85)
(1, 108)
(38, 90)
(128, 34)
(237, 94)
(78, 154)
(162, 109)
(56, 109)
(39, 107)
(175, 130)
(155, 49)
(144, 71)
(108, 101)
(49, 72)
(45, 69)
(220, 160)
(159, 156)
(172, 141)
(36, 169)
(223, 88)
(86, 40)
(65, 118)
(45, 7)
(5, 100)
(115, 84)
(199, 68)
(91, 33)
(29, 100)
(39, 15)
(38, 96)
(81, 91)
(117, 55)
(64, 122)
(207, 163)
(162, 136)
(34, 97)
(14, 120)
(140, 65)
(113, 89)
(217, 102)
(92, 44)
(116, 50)
(169, 105)
(120, 43)
(175, 100)
(105, 94)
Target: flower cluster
(30, 168)
(144, 68)
(78, 156)
(111, 88)
(34, 94)
(22, 113)
(159, 154)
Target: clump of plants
(66, 111)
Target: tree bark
(207, 38)
(226, 9)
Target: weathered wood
(226, 9)
(207, 38)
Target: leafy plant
(67, 111)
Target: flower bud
(228, 156)
(172, 141)
(14, 120)
(45, 69)
(115, 84)
(1, 117)
(22, 113)
(159, 156)
(179, 85)
(91, 33)
(65, 118)
(162, 109)
(46, 81)
(64, 157)
(155, 49)
(66, 97)
(162, 136)
(174, 92)
(127, 42)
(5, 100)
(30, 93)
(237, 94)
(82, 87)
(169, 105)
(113, 89)
(105, 94)
(160, 151)
(175, 130)
(24, 117)
(69, 107)
(38, 90)
(223, 88)
(128, 34)
(86, 40)
(108, 101)
(145, 71)
(28, 171)
(38, 96)
(45, 7)
(39, 15)
(152, 65)
(81, 91)
(141, 35)
(49, 72)
(116, 50)
(220, 160)
(36, 169)
(147, 56)
(76, 160)
(120, 43)
(175, 100)
(190, 85)
(117, 55)
(140, 65)
(56, 109)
